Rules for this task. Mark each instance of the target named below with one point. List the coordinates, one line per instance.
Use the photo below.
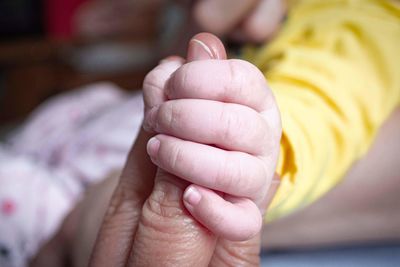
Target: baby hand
(218, 127)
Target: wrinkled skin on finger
(146, 223)
(250, 21)
(218, 127)
(167, 234)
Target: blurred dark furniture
(32, 70)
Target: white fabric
(68, 143)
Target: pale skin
(141, 239)
(138, 194)
(239, 106)
(176, 95)
(199, 111)
(147, 208)
(246, 21)
(363, 208)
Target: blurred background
(51, 46)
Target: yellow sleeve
(335, 72)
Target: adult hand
(250, 20)
(146, 223)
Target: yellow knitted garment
(335, 71)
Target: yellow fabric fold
(335, 71)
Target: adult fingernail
(198, 50)
(153, 145)
(205, 46)
(192, 196)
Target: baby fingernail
(192, 196)
(152, 147)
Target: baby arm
(218, 127)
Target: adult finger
(167, 234)
(205, 46)
(116, 235)
(114, 241)
(221, 16)
(263, 21)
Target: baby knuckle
(181, 80)
(248, 178)
(176, 157)
(241, 173)
(216, 220)
(227, 175)
(273, 118)
(249, 67)
(148, 81)
(271, 135)
(152, 81)
(246, 80)
(254, 78)
(170, 115)
(258, 186)
(262, 136)
(230, 125)
(237, 77)
(253, 224)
